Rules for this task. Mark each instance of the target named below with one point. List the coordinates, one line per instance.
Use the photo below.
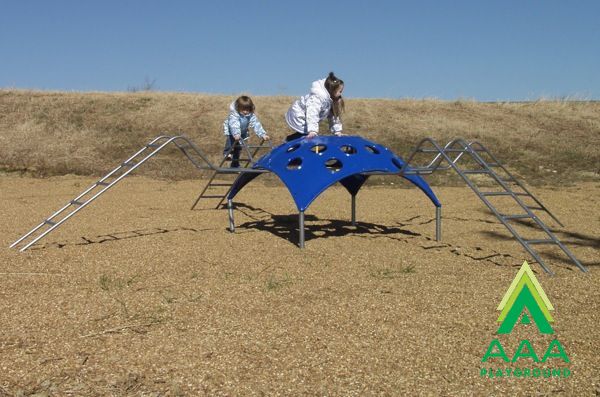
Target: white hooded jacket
(306, 112)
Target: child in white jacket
(324, 101)
(235, 127)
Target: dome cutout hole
(293, 148)
(294, 164)
(348, 150)
(318, 149)
(372, 149)
(333, 165)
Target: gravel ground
(138, 295)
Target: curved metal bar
(461, 142)
(529, 212)
(157, 144)
(434, 165)
(461, 146)
(96, 184)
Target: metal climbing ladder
(453, 152)
(187, 147)
(218, 189)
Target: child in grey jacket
(235, 127)
(324, 102)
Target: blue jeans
(237, 148)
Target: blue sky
(484, 50)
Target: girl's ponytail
(332, 83)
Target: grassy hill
(55, 133)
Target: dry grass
(55, 133)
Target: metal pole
(230, 212)
(438, 223)
(301, 227)
(353, 210)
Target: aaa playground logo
(527, 303)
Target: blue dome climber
(309, 166)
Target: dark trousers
(294, 136)
(237, 148)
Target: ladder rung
(503, 194)
(519, 216)
(99, 183)
(212, 196)
(47, 222)
(152, 145)
(476, 172)
(540, 241)
(417, 171)
(74, 202)
(128, 164)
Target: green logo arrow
(525, 297)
